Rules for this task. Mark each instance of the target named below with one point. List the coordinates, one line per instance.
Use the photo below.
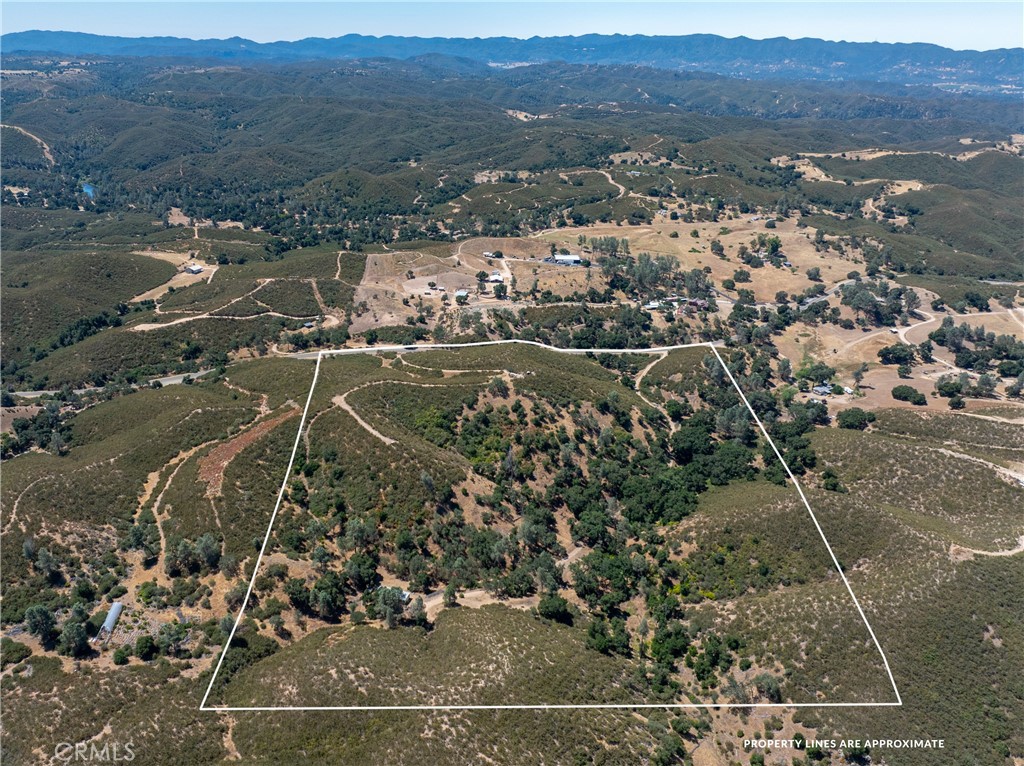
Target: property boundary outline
(898, 702)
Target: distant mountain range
(778, 58)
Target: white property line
(446, 346)
(266, 537)
(839, 568)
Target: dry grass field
(695, 252)
(181, 260)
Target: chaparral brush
(601, 399)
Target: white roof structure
(110, 622)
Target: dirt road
(962, 553)
(47, 153)
(477, 597)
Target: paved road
(173, 380)
(827, 294)
(831, 292)
(170, 380)
(445, 346)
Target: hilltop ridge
(806, 58)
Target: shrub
(855, 418)
(116, 592)
(830, 481)
(12, 652)
(554, 607)
(768, 686)
(145, 648)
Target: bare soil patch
(213, 464)
(390, 278)
(879, 383)
(182, 278)
(695, 252)
(845, 350)
(526, 116)
(9, 414)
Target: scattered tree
(40, 621)
(73, 641)
(145, 647)
(450, 595)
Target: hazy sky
(974, 25)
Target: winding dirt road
(962, 553)
(47, 152)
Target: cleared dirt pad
(181, 279)
(215, 462)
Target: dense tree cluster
(878, 303)
(978, 350)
